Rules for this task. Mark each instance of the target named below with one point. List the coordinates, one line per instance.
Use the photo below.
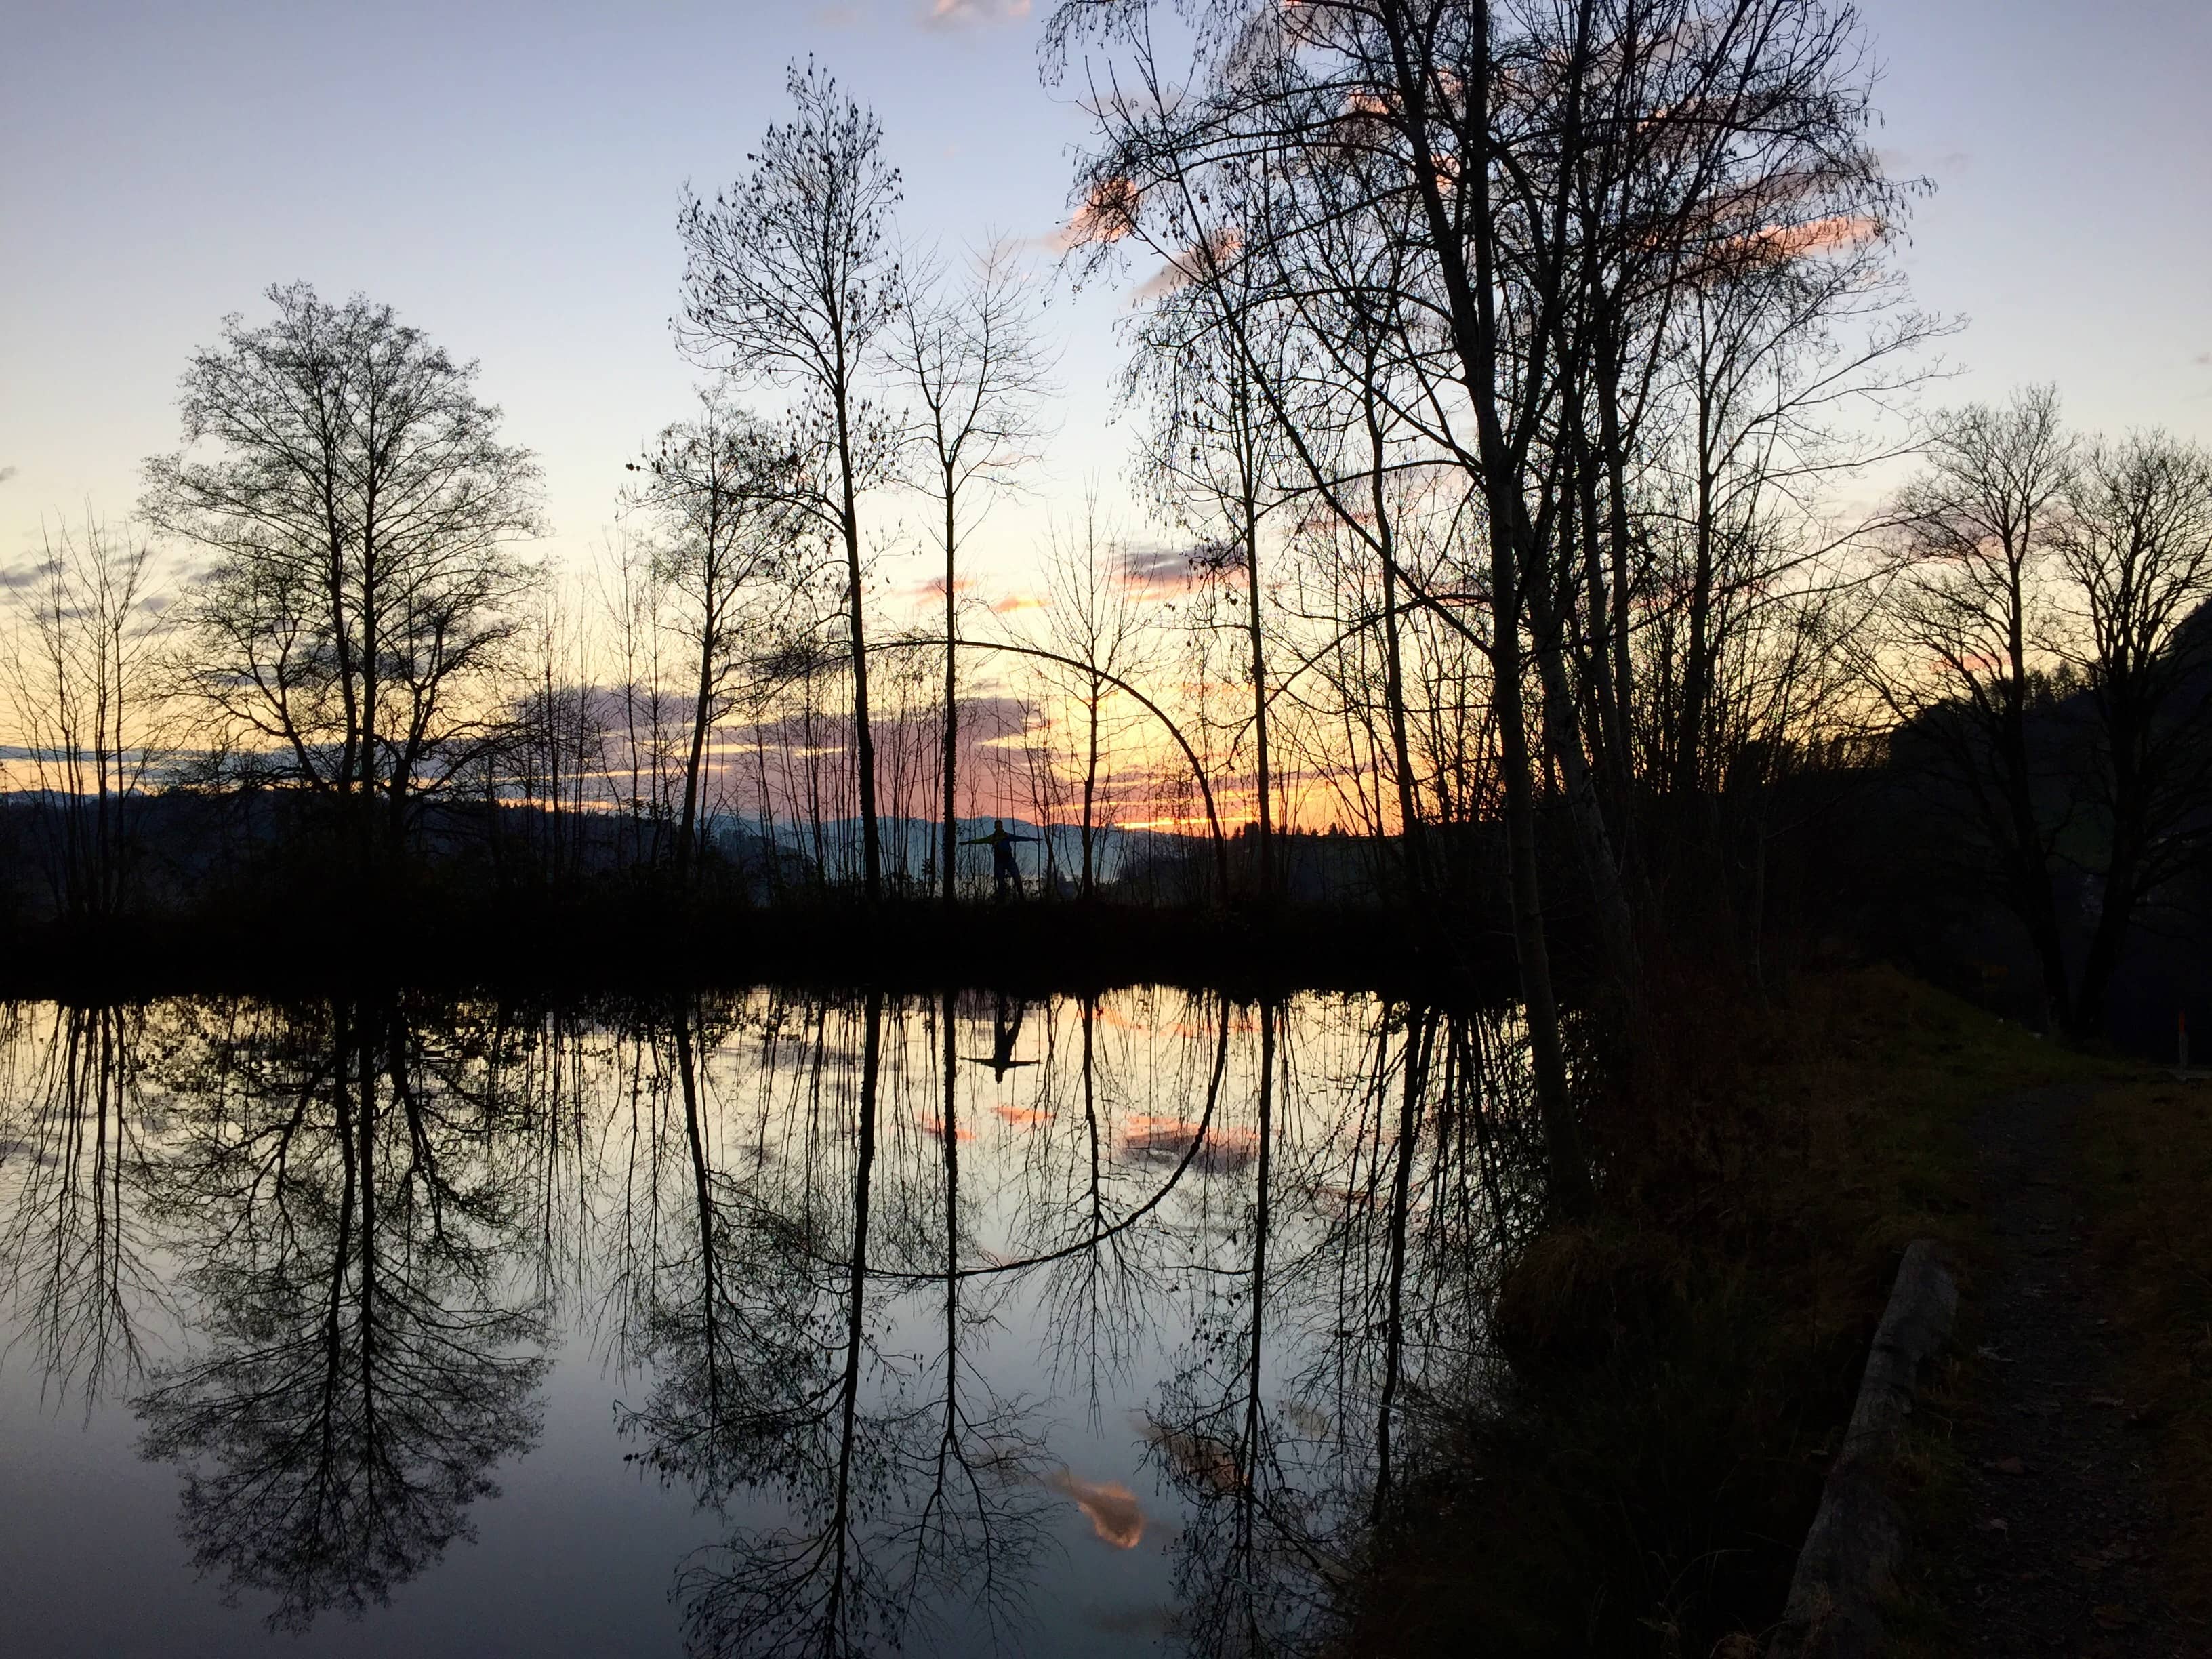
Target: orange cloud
(1107, 215)
(933, 590)
(935, 1125)
(1023, 1117)
(1819, 235)
(1111, 1507)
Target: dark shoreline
(570, 946)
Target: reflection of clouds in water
(1227, 1148)
(1192, 1456)
(935, 1125)
(1111, 1506)
(1025, 1117)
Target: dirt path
(2060, 1551)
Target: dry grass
(2148, 1160)
(1673, 1379)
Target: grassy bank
(1671, 1382)
(2147, 1159)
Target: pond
(743, 1324)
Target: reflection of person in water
(1006, 1032)
(1006, 874)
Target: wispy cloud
(928, 594)
(1157, 572)
(1223, 246)
(23, 576)
(961, 14)
(6, 473)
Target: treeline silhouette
(1500, 375)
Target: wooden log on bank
(1852, 1552)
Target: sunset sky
(507, 177)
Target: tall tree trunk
(856, 1312)
(1091, 795)
(1418, 1026)
(1254, 624)
(949, 852)
(1412, 863)
(863, 742)
(702, 706)
(1471, 297)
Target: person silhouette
(1006, 874)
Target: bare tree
(1092, 619)
(718, 487)
(632, 599)
(361, 510)
(1965, 655)
(974, 365)
(83, 685)
(2136, 548)
(1213, 460)
(790, 279)
(555, 746)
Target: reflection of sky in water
(1127, 1451)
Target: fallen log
(1852, 1552)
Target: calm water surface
(744, 1324)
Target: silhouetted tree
(1091, 618)
(971, 360)
(2137, 549)
(362, 512)
(790, 278)
(83, 682)
(719, 490)
(1965, 656)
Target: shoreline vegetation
(583, 943)
(1640, 1471)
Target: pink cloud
(1109, 214)
(933, 590)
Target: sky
(507, 177)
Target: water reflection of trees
(1318, 1237)
(361, 1367)
(855, 1263)
(1344, 1302)
(76, 1252)
(901, 1481)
